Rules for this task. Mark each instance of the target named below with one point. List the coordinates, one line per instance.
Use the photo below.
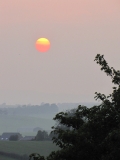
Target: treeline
(41, 136)
(28, 109)
(44, 136)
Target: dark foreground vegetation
(90, 133)
(14, 156)
(13, 150)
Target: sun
(42, 44)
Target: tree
(93, 133)
(51, 135)
(41, 135)
(46, 137)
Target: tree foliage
(41, 136)
(91, 133)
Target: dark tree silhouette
(95, 131)
(41, 136)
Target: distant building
(5, 136)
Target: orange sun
(42, 44)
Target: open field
(44, 148)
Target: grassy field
(44, 148)
(11, 123)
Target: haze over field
(26, 118)
(77, 30)
(47, 71)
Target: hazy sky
(77, 29)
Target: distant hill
(25, 118)
(43, 110)
(28, 109)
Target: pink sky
(77, 30)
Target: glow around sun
(42, 44)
